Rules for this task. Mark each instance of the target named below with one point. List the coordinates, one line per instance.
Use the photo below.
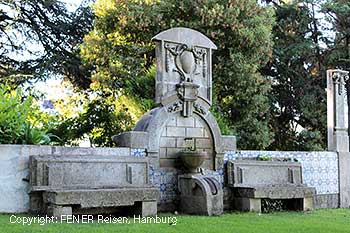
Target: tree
(297, 67)
(121, 52)
(40, 38)
(338, 14)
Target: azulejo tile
(138, 152)
(162, 187)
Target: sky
(72, 4)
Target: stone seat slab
(77, 187)
(90, 198)
(275, 192)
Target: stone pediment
(185, 36)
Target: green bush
(21, 121)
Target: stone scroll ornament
(339, 79)
(184, 71)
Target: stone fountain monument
(183, 126)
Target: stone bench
(90, 184)
(254, 181)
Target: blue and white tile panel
(138, 152)
(320, 169)
(167, 182)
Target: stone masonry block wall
(173, 141)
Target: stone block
(58, 211)
(275, 192)
(199, 123)
(162, 153)
(208, 153)
(246, 173)
(203, 143)
(341, 141)
(167, 142)
(200, 194)
(208, 163)
(100, 151)
(173, 153)
(326, 201)
(308, 203)
(207, 133)
(14, 176)
(108, 197)
(168, 162)
(344, 180)
(171, 121)
(132, 139)
(247, 204)
(49, 172)
(185, 121)
(175, 132)
(181, 143)
(194, 132)
(149, 208)
(229, 143)
(163, 134)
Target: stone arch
(156, 121)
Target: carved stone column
(337, 111)
(338, 138)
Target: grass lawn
(328, 221)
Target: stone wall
(325, 201)
(173, 137)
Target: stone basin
(192, 159)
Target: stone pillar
(337, 124)
(337, 111)
(344, 179)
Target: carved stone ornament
(339, 79)
(183, 56)
(186, 59)
(176, 106)
(198, 108)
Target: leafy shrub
(21, 121)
